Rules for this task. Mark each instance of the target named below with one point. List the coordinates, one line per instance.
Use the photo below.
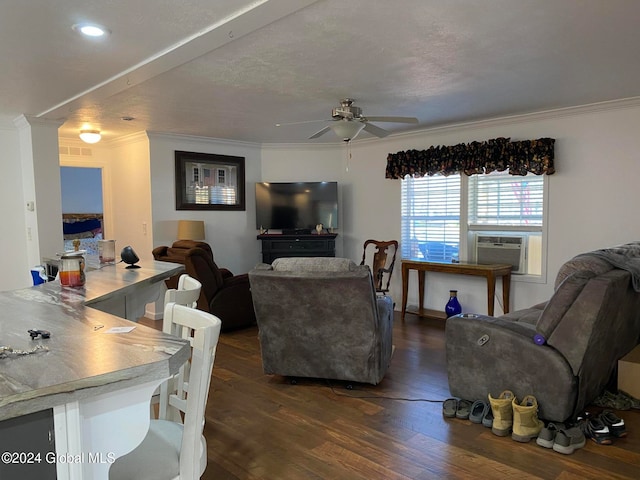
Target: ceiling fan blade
(299, 123)
(320, 132)
(393, 119)
(377, 131)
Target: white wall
(593, 195)
(40, 186)
(231, 234)
(130, 200)
(13, 239)
(311, 163)
(29, 162)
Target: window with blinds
(431, 218)
(499, 204)
(511, 207)
(499, 199)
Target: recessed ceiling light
(91, 29)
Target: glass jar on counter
(107, 251)
(71, 269)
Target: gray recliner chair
(321, 318)
(564, 351)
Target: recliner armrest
(517, 328)
(226, 273)
(159, 252)
(242, 279)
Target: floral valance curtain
(535, 156)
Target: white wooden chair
(186, 294)
(173, 450)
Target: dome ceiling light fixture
(347, 130)
(90, 136)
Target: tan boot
(525, 419)
(502, 413)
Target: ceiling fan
(347, 122)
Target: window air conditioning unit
(502, 249)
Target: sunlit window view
(503, 220)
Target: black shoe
(614, 423)
(595, 429)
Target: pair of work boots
(518, 418)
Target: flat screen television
(296, 206)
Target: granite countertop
(82, 360)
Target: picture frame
(208, 181)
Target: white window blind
(500, 199)
(431, 218)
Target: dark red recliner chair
(176, 253)
(223, 294)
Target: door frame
(85, 161)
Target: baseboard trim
(151, 314)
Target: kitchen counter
(87, 372)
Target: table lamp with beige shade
(191, 230)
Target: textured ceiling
(233, 69)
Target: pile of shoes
(604, 428)
(476, 412)
(504, 414)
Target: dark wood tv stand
(280, 245)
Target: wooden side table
(490, 272)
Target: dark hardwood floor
(263, 427)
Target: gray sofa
(592, 320)
(321, 318)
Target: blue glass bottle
(453, 306)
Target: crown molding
(128, 139)
(623, 103)
(197, 138)
(305, 146)
(23, 121)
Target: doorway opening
(82, 208)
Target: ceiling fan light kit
(347, 130)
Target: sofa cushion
(561, 301)
(313, 264)
(623, 256)
(585, 262)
